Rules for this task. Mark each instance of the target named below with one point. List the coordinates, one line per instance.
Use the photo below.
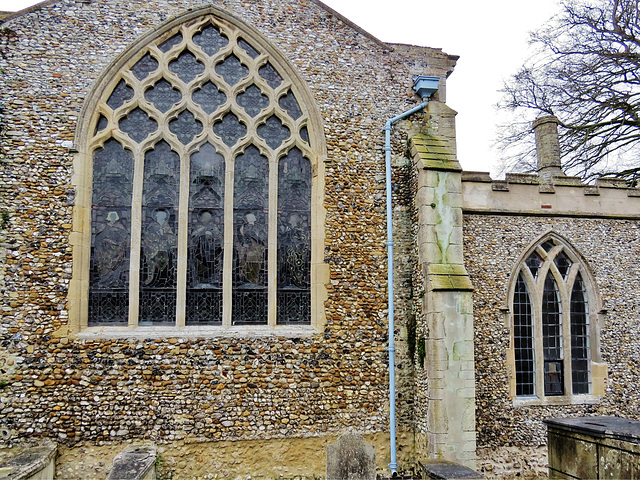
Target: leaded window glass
(201, 210)
(550, 321)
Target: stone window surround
(80, 237)
(595, 317)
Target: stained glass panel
(252, 52)
(250, 223)
(120, 95)
(177, 61)
(138, 125)
(144, 67)
(230, 129)
(274, 132)
(209, 97)
(186, 126)
(172, 42)
(206, 237)
(101, 124)
(252, 100)
(163, 95)
(289, 103)
(210, 40)
(294, 239)
(270, 74)
(159, 236)
(186, 66)
(110, 235)
(232, 70)
(304, 134)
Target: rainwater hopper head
(425, 86)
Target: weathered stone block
(351, 458)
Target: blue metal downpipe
(424, 86)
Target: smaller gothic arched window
(553, 323)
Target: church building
(234, 229)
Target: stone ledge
(448, 277)
(435, 153)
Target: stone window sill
(556, 400)
(244, 331)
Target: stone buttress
(449, 429)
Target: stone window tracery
(201, 203)
(553, 325)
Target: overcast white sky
(490, 36)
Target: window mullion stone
(136, 235)
(228, 242)
(272, 259)
(183, 240)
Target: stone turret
(547, 147)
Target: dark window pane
(274, 132)
(304, 134)
(138, 125)
(250, 215)
(232, 70)
(563, 263)
(110, 235)
(553, 381)
(159, 236)
(579, 338)
(144, 67)
(210, 40)
(186, 126)
(252, 100)
(523, 339)
(120, 94)
(534, 262)
(552, 335)
(206, 237)
(163, 95)
(186, 66)
(548, 245)
(230, 129)
(252, 52)
(294, 239)
(102, 124)
(209, 97)
(289, 103)
(172, 42)
(270, 74)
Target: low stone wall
(300, 458)
(513, 462)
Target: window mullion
(228, 242)
(538, 351)
(183, 226)
(272, 259)
(136, 235)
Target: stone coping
(623, 429)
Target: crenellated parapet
(530, 194)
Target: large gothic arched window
(202, 184)
(553, 320)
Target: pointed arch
(554, 309)
(206, 108)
